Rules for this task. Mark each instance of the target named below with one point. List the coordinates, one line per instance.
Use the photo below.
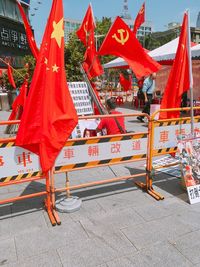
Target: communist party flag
(126, 84)
(121, 41)
(10, 76)
(18, 104)
(139, 19)
(29, 32)
(179, 77)
(91, 64)
(87, 26)
(49, 115)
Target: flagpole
(94, 97)
(12, 68)
(190, 74)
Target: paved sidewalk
(118, 225)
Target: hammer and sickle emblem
(123, 39)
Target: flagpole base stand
(68, 205)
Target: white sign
(16, 161)
(101, 151)
(189, 155)
(81, 98)
(194, 193)
(166, 136)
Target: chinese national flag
(87, 26)
(121, 41)
(91, 64)
(139, 19)
(126, 84)
(179, 77)
(18, 104)
(49, 115)
(10, 77)
(29, 32)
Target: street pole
(191, 76)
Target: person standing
(112, 125)
(148, 91)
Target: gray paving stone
(162, 254)
(116, 219)
(21, 222)
(5, 228)
(161, 209)
(42, 240)
(192, 253)
(49, 259)
(168, 228)
(7, 251)
(122, 262)
(89, 208)
(115, 238)
(94, 253)
(189, 246)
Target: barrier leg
(149, 169)
(55, 214)
(148, 187)
(48, 203)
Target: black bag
(140, 94)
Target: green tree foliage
(20, 74)
(75, 50)
(74, 55)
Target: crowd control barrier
(163, 140)
(19, 166)
(92, 152)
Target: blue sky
(158, 11)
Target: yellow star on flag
(55, 68)
(45, 61)
(58, 31)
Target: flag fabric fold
(87, 26)
(121, 41)
(126, 84)
(91, 64)
(10, 76)
(29, 32)
(19, 102)
(49, 115)
(179, 77)
(140, 19)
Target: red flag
(179, 77)
(126, 84)
(49, 115)
(139, 19)
(29, 32)
(18, 104)
(92, 65)
(87, 26)
(121, 41)
(10, 77)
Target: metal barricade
(14, 170)
(163, 140)
(102, 143)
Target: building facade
(70, 25)
(13, 41)
(198, 21)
